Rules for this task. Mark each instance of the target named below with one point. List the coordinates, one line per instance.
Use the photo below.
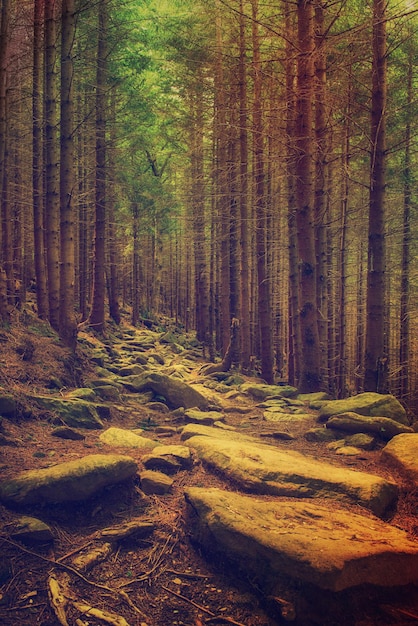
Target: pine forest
(244, 169)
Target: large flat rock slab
(326, 546)
(402, 452)
(370, 403)
(264, 469)
(67, 482)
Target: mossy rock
(83, 393)
(71, 412)
(261, 391)
(67, 482)
(369, 404)
(8, 405)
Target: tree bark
(375, 356)
(245, 334)
(294, 351)
(310, 375)
(97, 314)
(6, 230)
(199, 222)
(67, 319)
(52, 184)
(264, 289)
(404, 337)
(37, 164)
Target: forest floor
(165, 576)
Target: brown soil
(165, 577)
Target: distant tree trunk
(310, 377)
(221, 181)
(52, 194)
(135, 265)
(320, 201)
(375, 373)
(199, 225)
(114, 290)
(6, 247)
(294, 351)
(97, 314)
(264, 289)
(404, 339)
(67, 324)
(234, 243)
(245, 334)
(37, 164)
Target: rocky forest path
(219, 499)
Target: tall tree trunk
(264, 290)
(37, 164)
(404, 338)
(67, 319)
(136, 293)
(234, 247)
(221, 190)
(114, 289)
(310, 376)
(375, 374)
(245, 334)
(52, 194)
(6, 222)
(97, 314)
(294, 350)
(199, 226)
(320, 202)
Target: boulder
(31, 530)
(122, 438)
(261, 391)
(72, 412)
(363, 441)
(82, 393)
(155, 482)
(168, 459)
(370, 404)
(402, 453)
(176, 392)
(65, 432)
(8, 404)
(264, 469)
(319, 435)
(351, 422)
(67, 482)
(203, 417)
(318, 396)
(325, 546)
(108, 393)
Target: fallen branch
(115, 592)
(57, 599)
(105, 616)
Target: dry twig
(213, 618)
